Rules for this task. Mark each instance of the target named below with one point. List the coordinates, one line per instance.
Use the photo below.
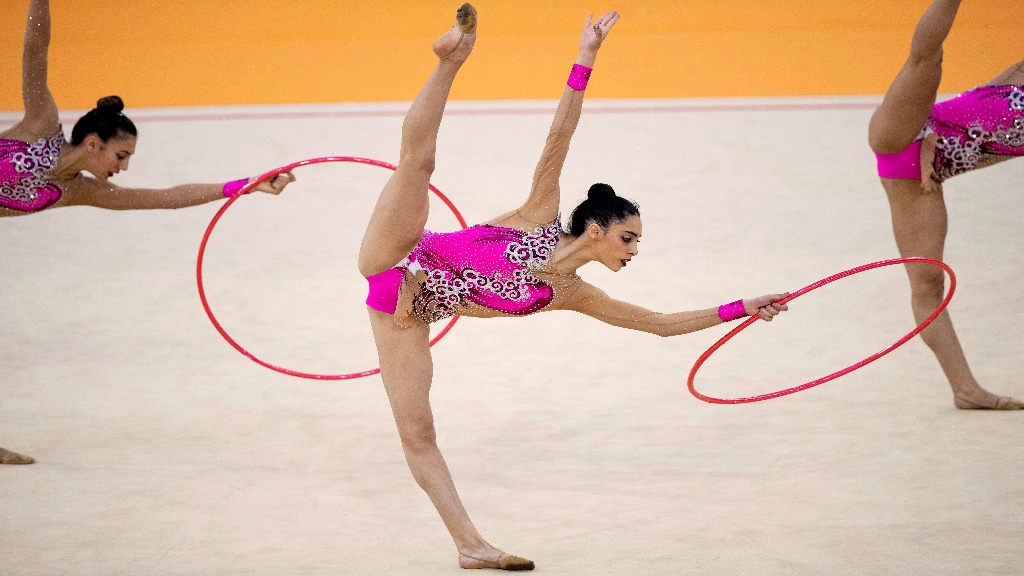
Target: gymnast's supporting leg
(407, 370)
(919, 221)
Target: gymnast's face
(104, 159)
(618, 244)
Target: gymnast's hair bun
(105, 121)
(600, 192)
(110, 104)
(602, 207)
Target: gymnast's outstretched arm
(87, 191)
(593, 302)
(542, 205)
(40, 119)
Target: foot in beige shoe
(8, 457)
(458, 42)
(504, 562)
(991, 402)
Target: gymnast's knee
(927, 286)
(418, 160)
(418, 437)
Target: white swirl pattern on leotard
(31, 169)
(443, 291)
(1016, 99)
(972, 143)
(963, 155)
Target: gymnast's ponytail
(105, 121)
(602, 207)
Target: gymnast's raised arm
(542, 205)
(40, 120)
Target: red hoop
(250, 186)
(848, 369)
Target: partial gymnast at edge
(39, 170)
(516, 264)
(919, 145)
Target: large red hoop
(250, 186)
(848, 369)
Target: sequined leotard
(489, 266)
(974, 129)
(24, 169)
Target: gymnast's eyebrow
(631, 232)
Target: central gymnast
(516, 264)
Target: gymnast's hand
(594, 34)
(765, 306)
(276, 185)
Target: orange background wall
(209, 52)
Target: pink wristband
(578, 77)
(231, 188)
(731, 311)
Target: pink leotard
(24, 169)
(973, 129)
(490, 266)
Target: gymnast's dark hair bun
(600, 192)
(105, 121)
(602, 207)
(112, 103)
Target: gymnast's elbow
(665, 330)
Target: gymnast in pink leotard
(919, 145)
(518, 263)
(39, 170)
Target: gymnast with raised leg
(920, 144)
(516, 264)
(39, 170)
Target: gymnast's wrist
(732, 311)
(587, 58)
(232, 188)
(578, 77)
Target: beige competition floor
(163, 451)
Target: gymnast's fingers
(274, 186)
(611, 18)
(283, 180)
(761, 301)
